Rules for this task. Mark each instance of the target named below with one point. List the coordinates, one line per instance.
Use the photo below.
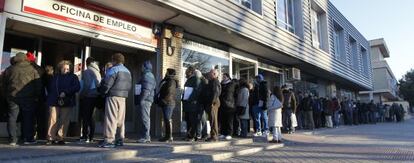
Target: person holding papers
(191, 105)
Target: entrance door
(243, 69)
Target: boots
(168, 132)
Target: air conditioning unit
(293, 74)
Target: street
(383, 142)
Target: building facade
(306, 44)
(385, 83)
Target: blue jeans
(335, 119)
(144, 120)
(259, 113)
(167, 111)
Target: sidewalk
(179, 151)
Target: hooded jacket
(148, 84)
(91, 78)
(117, 82)
(227, 97)
(22, 80)
(192, 104)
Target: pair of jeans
(335, 119)
(202, 126)
(167, 112)
(259, 113)
(244, 125)
(144, 120)
(87, 107)
(286, 121)
(27, 108)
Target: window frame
(251, 9)
(284, 24)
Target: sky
(392, 20)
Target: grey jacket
(243, 101)
(90, 80)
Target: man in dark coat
(166, 100)
(260, 96)
(211, 104)
(191, 103)
(23, 87)
(227, 107)
(289, 108)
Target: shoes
(266, 133)
(119, 143)
(166, 139)
(212, 139)
(222, 136)
(50, 142)
(274, 141)
(228, 137)
(189, 139)
(13, 143)
(257, 134)
(143, 140)
(60, 142)
(30, 142)
(107, 145)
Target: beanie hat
(147, 65)
(171, 71)
(260, 77)
(30, 57)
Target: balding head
(213, 74)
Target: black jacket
(227, 95)
(192, 103)
(260, 92)
(168, 91)
(211, 92)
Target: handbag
(293, 120)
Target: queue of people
(227, 105)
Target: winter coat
(274, 112)
(148, 85)
(67, 83)
(289, 100)
(243, 101)
(260, 93)
(90, 80)
(22, 80)
(317, 105)
(117, 82)
(192, 104)
(227, 100)
(307, 104)
(334, 105)
(168, 91)
(211, 92)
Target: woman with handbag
(61, 100)
(275, 114)
(242, 107)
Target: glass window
(354, 53)
(255, 5)
(285, 14)
(337, 44)
(364, 61)
(204, 62)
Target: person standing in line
(227, 108)
(300, 113)
(22, 88)
(115, 86)
(336, 108)
(202, 115)
(212, 102)
(260, 96)
(89, 95)
(61, 101)
(317, 111)
(243, 107)
(191, 103)
(166, 99)
(328, 112)
(145, 99)
(289, 108)
(275, 105)
(307, 105)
